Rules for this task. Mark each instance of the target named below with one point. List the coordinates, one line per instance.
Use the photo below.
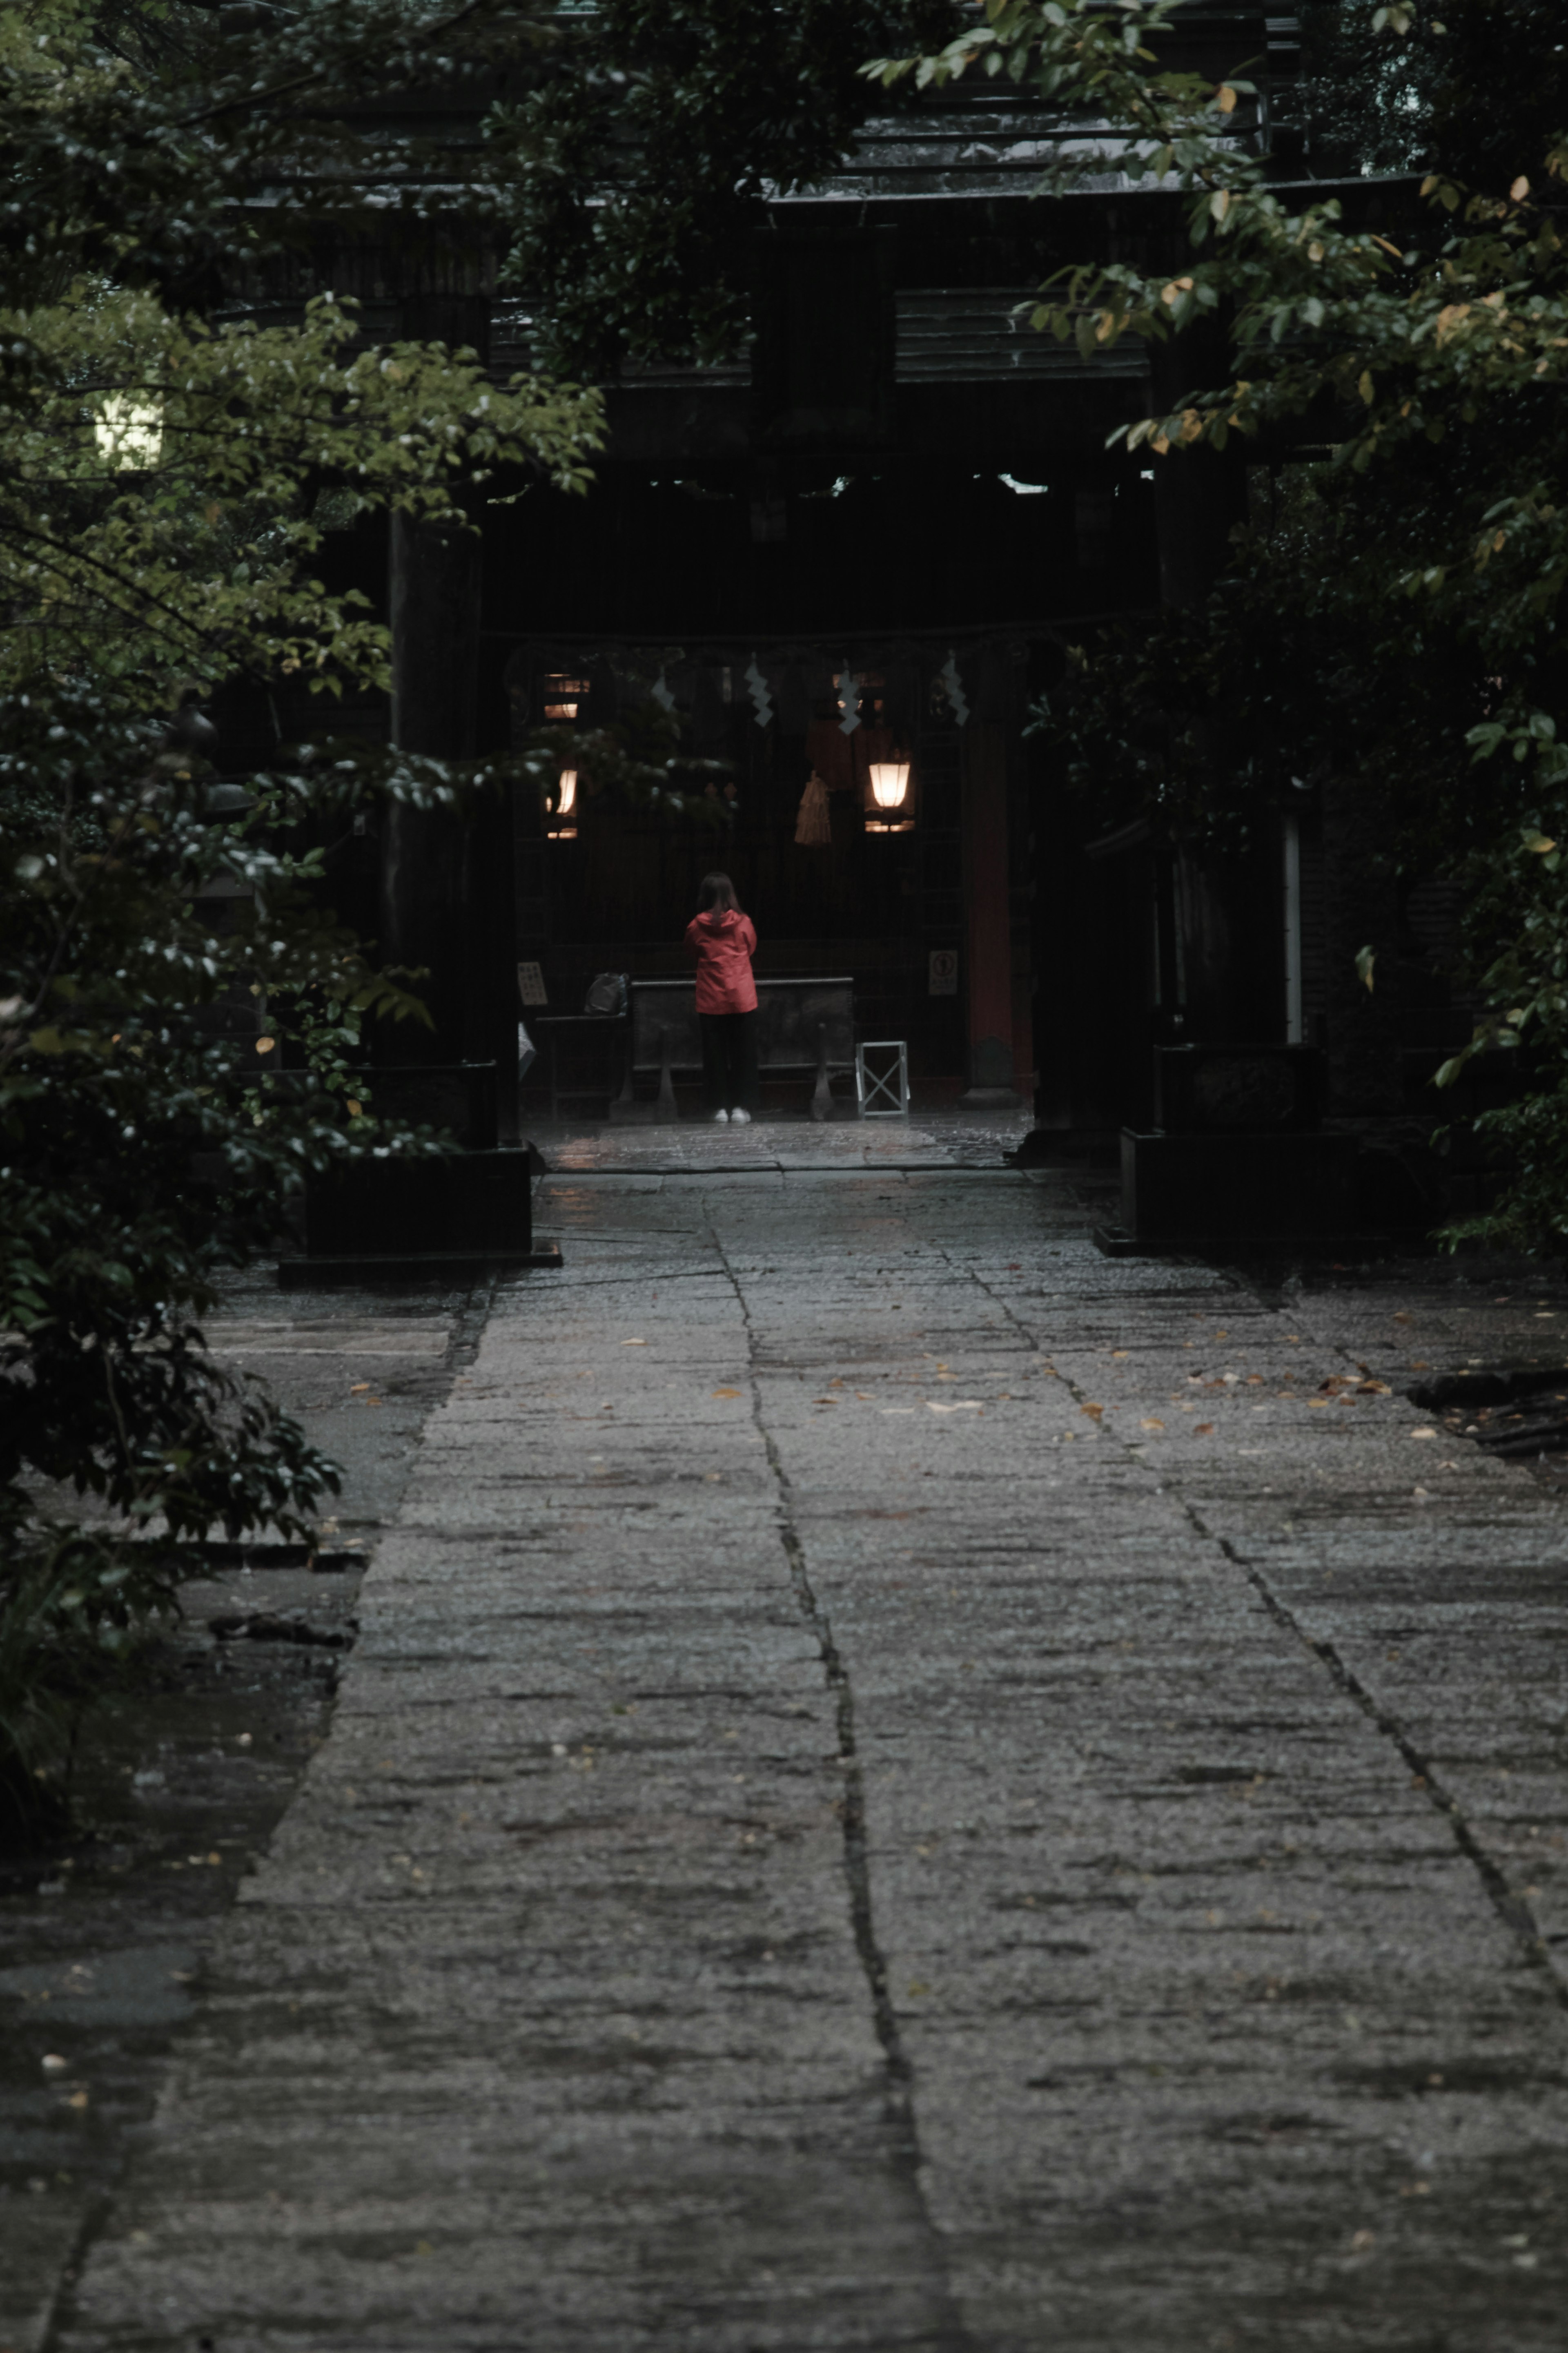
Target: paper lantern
(889, 795)
(564, 817)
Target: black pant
(730, 1060)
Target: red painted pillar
(987, 922)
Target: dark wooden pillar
(1200, 497)
(987, 918)
(445, 901)
(1200, 494)
(435, 605)
(1363, 1027)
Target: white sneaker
(739, 1118)
(722, 1119)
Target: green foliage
(74, 1603)
(1499, 79)
(1464, 86)
(1200, 721)
(636, 165)
(1364, 99)
(160, 943)
(154, 516)
(1521, 900)
(1402, 620)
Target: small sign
(530, 984)
(942, 973)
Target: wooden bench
(805, 1026)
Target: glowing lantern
(564, 820)
(889, 792)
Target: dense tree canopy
(636, 163)
(161, 470)
(1400, 613)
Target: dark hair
(717, 894)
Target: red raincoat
(723, 944)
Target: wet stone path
(903, 1785)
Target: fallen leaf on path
(1093, 1411)
(634, 1343)
(1203, 1429)
(954, 1405)
(1150, 1424)
(726, 1392)
(1424, 1432)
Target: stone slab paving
(950, 1137)
(903, 1785)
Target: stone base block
(1177, 1188)
(469, 1202)
(440, 1270)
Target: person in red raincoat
(723, 940)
